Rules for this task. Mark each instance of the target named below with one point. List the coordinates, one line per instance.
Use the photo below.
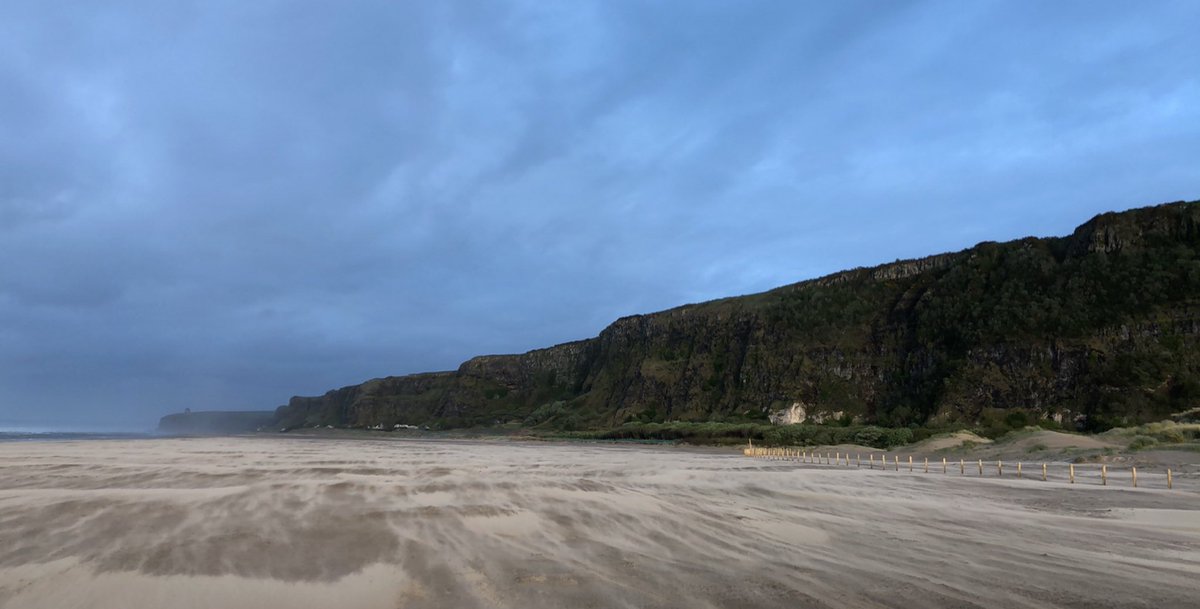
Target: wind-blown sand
(262, 522)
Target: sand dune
(263, 522)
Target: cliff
(214, 422)
(1092, 329)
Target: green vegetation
(1097, 330)
(1160, 434)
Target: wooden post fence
(838, 458)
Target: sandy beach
(288, 522)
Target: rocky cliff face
(1098, 327)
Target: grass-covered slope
(1096, 328)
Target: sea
(12, 433)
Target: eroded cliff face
(1101, 325)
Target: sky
(222, 204)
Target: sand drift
(250, 522)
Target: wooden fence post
(871, 461)
(1018, 470)
(1135, 477)
(927, 465)
(910, 463)
(1043, 472)
(1169, 477)
(962, 467)
(981, 467)
(943, 465)
(1104, 474)
(858, 459)
(999, 468)
(897, 462)
(1072, 473)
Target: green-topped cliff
(1091, 329)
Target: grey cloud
(221, 204)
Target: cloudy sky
(221, 204)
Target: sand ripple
(250, 522)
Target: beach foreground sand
(263, 522)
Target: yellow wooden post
(871, 461)
(927, 465)
(1018, 469)
(999, 468)
(1169, 478)
(1134, 477)
(981, 467)
(910, 463)
(897, 462)
(1072, 473)
(1043, 472)
(1104, 475)
(943, 465)
(858, 459)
